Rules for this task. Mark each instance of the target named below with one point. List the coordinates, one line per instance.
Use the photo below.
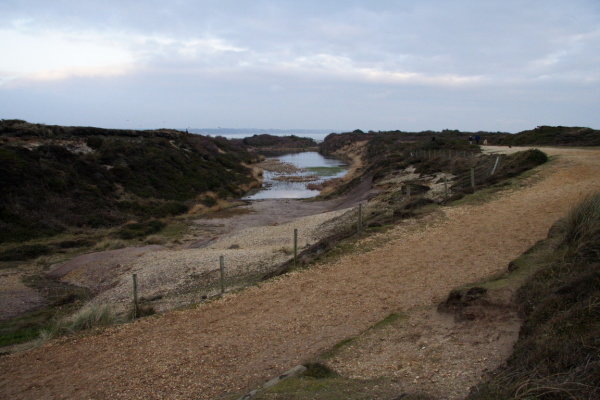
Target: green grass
(175, 230)
(24, 328)
(60, 300)
(325, 389)
(390, 319)
(28, 326)
(326, 171)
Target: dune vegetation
(557, 355)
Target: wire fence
(481, 167)
(200, 286)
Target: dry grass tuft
(88, 317)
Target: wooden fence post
(495, 165)
(295, 246)
(222, 269)
(360, 218)
(135, 296)
(445, 188)
(473, 171)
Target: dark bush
(141, 229)
(318, 371)
(142, 311)
(95, 142)
(68, 244)
(535, 157)
(24, 252)
(208, 201)
(170, 208)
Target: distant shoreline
(229, 133)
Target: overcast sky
(412, 65)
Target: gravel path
(244, 339)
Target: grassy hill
(540, 136)
(554, 136)
(273, 143)
(447, 152)
(56, 178)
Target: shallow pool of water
(311, 163)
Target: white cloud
(197, 47)
(343, 68)
(51, 55)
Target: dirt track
(247, 338)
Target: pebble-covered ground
(248, 251)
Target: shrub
(95, 142)
(141, 229)
(80, 242)
(171, 208)
(208, 201)
(142, 311)
(24, 252)
(535, 157)
(318, 371)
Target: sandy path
(249, 337)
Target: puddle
(312, 168)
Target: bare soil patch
(223, 348)
(98, 271)
(15, 297)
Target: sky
(410, 65)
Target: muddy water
(311, 166)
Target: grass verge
(557, 355)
